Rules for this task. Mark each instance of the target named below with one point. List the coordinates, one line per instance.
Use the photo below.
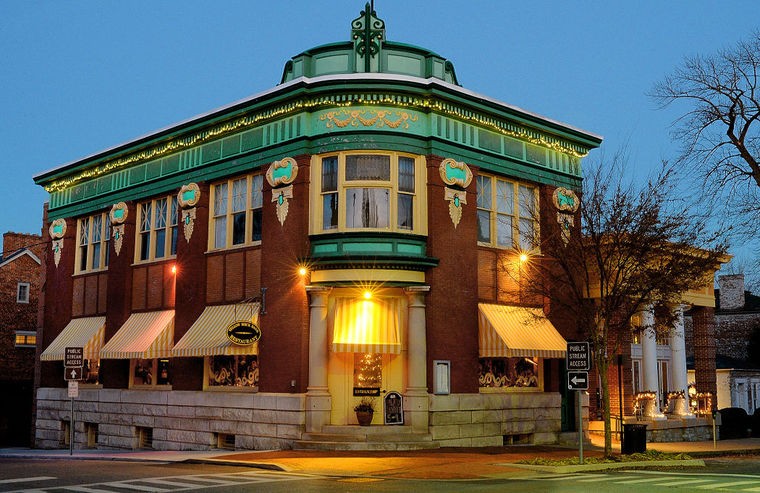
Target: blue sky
(78, 77)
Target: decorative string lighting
(424, 104)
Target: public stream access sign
(73, 362)
(73, 357)
(578, 356)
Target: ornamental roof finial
(368, 33)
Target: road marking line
(27, 480)
(127, 485)
(85, 489)
(684, 482)
(726, 485)
(635, 481)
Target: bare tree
(720, 129)
(635, 246)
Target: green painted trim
(308, 95)
(369, 250)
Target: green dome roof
(369, 52)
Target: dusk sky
(78, 77)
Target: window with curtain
(507, 213)
(92, 242)
(157, 237)
(236, 218)
(368, 191)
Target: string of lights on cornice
(429, 104)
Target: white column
(318, 399)
(649, 363)
(416, 395)
(678, 375)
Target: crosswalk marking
(745, 483)
(26, 480)
(639, 480)
(171, 483)
(129, 486)
(683, 482)
(725, 485)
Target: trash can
(634, 439)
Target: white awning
(208, 335)
(145, 335)
(512, 331)
(366, 326)
(86, 332)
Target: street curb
(608, 465)
(255, 465)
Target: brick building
(245, 278)
(20, 271)
(737, 316)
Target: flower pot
(364, 417)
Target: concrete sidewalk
(444, 463)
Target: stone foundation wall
(670, 430)
(483, 420)
(179, 420)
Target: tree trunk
(602, 366)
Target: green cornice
(415, 112)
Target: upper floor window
(92, 242)
(157, 237)
(22, 292)
(507, 213)
(236, 217)
(369, 191)
(26, 338)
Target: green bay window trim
(93, 233)
(507, 214)
(157, 237)
(375, 191)
(236, 217)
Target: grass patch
(650, 455)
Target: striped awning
(86, 332)
(511, 331)
(366, 326)
(145, 335)
(208, 335)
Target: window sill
(231, 388)
(233, 248)
(140, 263)
(88, 272)
(150, 387)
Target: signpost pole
(71, 429)
(580, 426)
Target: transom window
(22, 292)
(92, 242)
(237, 212)
(368, 191)
(157, 237)
(507, 213)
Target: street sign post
(578, 363)
(577, 380)
(73, 362)
(578, 356)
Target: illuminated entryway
(367, 353)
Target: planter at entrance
(364, 417)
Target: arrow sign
(577, 380)
(73, 373)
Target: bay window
(369, 192)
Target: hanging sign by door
(394, 408)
